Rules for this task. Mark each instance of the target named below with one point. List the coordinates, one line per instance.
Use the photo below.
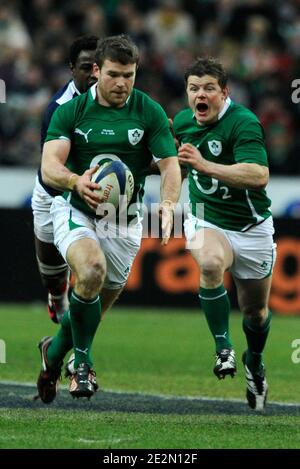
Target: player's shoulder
(53, 102)
(241, 120)
(74, 105)
(64, 94)
(182, 119)
(143, 101)
(140, 95)
(183, 114)
(241, 113)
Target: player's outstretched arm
(251, 176)
(170, 188)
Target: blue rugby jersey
(63, 95)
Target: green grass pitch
(145, 360)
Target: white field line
(160, 396)
(111, 441)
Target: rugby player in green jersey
(53, 269)
(114, 121)
(230, 226)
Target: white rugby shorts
(119, 244)
(42, 220)
(254, 250)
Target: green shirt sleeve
(249, 144)
(62, 122)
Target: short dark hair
(207, 66)
(119, 48)
(82, 43)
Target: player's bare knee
(96, 274)
(255, 314)
(91, 278)
(212, 266)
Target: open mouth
(202, 107)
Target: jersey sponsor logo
(135, 136)
(215, 147)
(84, 134)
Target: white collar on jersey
(94, 93)
(225, 107)
(73, 88)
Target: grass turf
(151, 351)
(165, 352)
(57, 429)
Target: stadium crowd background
(257, 40)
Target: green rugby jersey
(133, 134)
(237, 137)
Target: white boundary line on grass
(161, 396)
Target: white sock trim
(87, 302)
(214, 297)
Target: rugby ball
(116, 181)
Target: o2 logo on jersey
(215, 147)
(213, 188)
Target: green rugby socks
(61, 343)
(85, 317)
(216, 306)
(256, 339)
